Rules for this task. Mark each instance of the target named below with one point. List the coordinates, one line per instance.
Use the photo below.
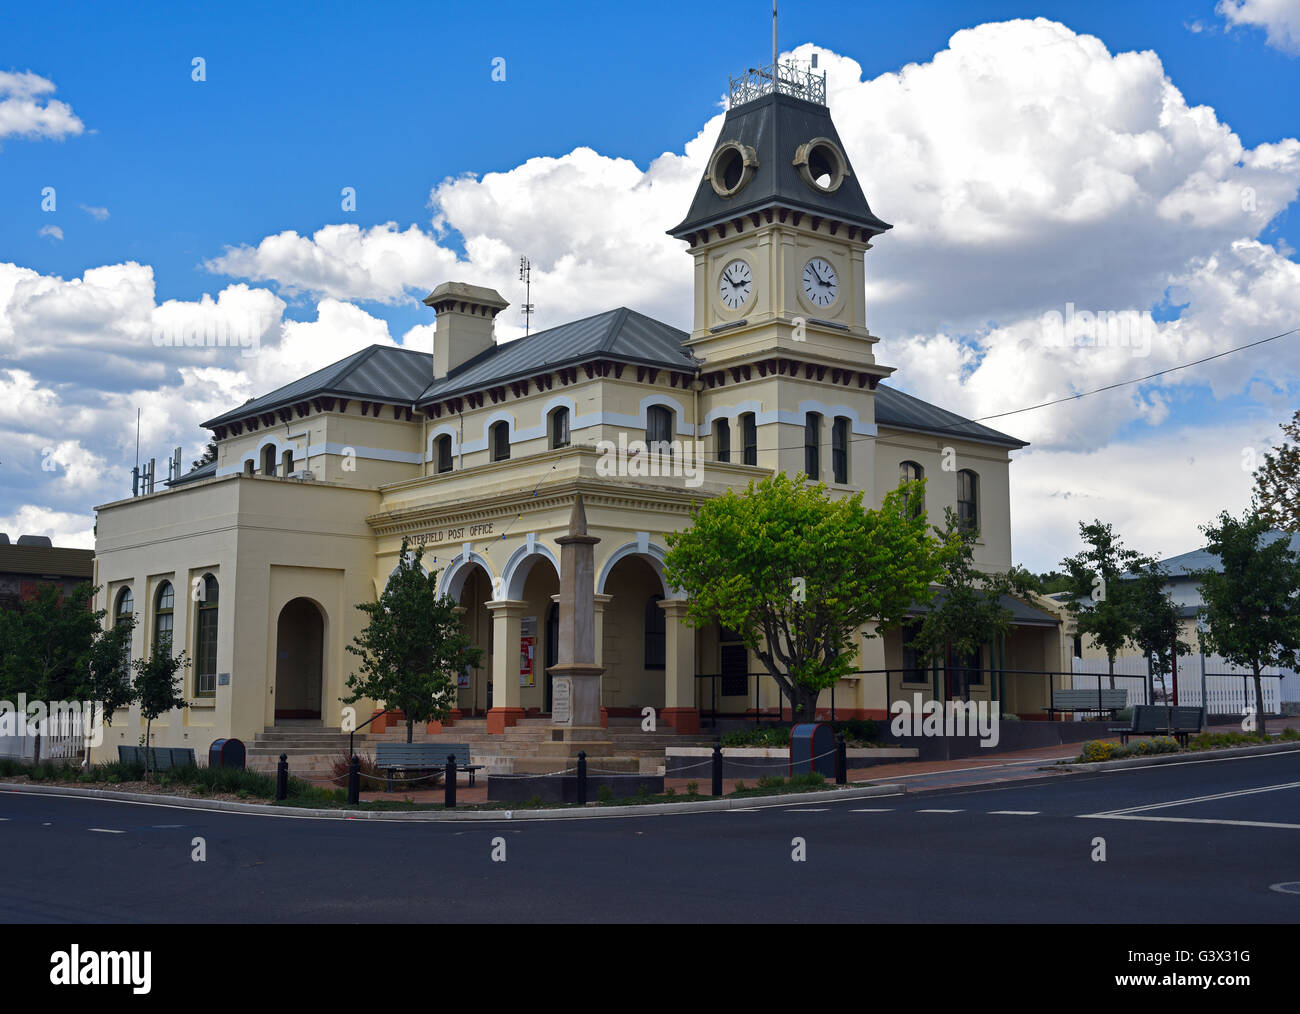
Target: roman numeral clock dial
(820, 282)
(735, 285)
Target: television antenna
(526, 276)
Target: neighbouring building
(255, 563)
(34, 561)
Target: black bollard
(582, 777)
(717, 766)
(450, 779)
(841, 761)
(354, 779)
(282, 778)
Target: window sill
(202, 702)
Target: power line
(1138, 380)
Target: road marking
(105, 830)
(809, 809)
(1206, 799)
(743, 809)
(1291, 887)
(1187, 820)
(938, 811)
(1016, 813)
(875, 809)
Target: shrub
(861, 730)
(606, 793)
(1010, 718)
(773, 736)
(1095, 750)
(771, 782)
(670, 792)
(1157, 744)
(1290, 733)
(372, 777)
(807, 780)
(1220, 740)
(740, 787)
(692, 788)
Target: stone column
(575, 684)
(680, 710)
(507, 702)
(874, 692)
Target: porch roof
(1022, 613)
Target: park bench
(422, 757)
(1087, 700)
(163, 757)
(1162, 720)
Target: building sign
(561, 693)
(453, 535)
(527, 646)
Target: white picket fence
(1227, 692)
(61, 739)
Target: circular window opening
(731, 168)
(821, 164)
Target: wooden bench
(422, 757)
(1099, 701)
(1162, 720)
(163, 758)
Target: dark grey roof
(54, 561)
(774, 126)
(1202, 559)
(1022, 613)
(621, 334)
(194, 475)
(377, 373)
(901, 411)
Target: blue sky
(395, 98)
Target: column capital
(507, 607)
(674, 608)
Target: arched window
(286, 463)
(749, 437)
(500, 441)
(163, 617)
(722, 440)
(968, 487)
(812, 431)
(655, 628)
(268, 460)
(840, 450)
(442, 450)
(122, 613)
(205, 638)
(658, 425)
(910, 471)
(559, 428)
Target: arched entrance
(299, 660)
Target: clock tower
(778, 229)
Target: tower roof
(774, 126)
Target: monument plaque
(561, 695)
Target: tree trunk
(148, 747)
(85, 738)
(1259, 702)
(1111, 659)
(410, 729)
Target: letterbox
(812, 748)
(226, 753)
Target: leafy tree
(969, 613)
(1050, 582)
(209, 454)
(108, 673)
(413, 647)
(1155, 620)
(159, 677)
(796, 575)
(1100, 601)
(1277, 482)
(1251, 606)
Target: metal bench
(1099, 701)
(1162, 720)
(162, 758)
(422, 757)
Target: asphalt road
(1197, 842)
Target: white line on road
(938, 811)
(105, 830)
(874, 809)
(1187, 820)
(1016, 813)
(1206, 799)
(809, 809)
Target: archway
(299, 661)
(474, 693)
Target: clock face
(820, 282)
(736, 284)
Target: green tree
(1277, 482)
(968, 613)
(1155, 620)
(1251, 605)
(108, 672)
(1100, 601)
(413, 647)
(796, 575)
(209, 454)
(159, 677)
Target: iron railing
(790, 78)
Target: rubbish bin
(812, 748)
(226, 753)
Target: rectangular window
(840, 450)
(444, 454)
(749, 431)
(812, 446)
(205, 660)
(914, 665)
(722, 439)
(500, 442)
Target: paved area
(1197, 841)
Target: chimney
(464, 329)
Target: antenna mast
(526, 276)
(775, 51)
